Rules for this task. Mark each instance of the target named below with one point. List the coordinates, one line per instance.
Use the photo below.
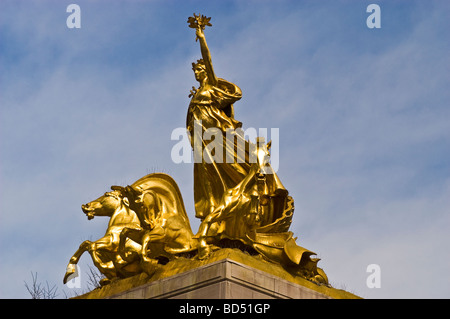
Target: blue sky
(363, 116)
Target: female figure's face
(200, 74)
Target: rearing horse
(105, 251)
(166, 230)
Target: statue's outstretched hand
(199, 22)
(199, 33)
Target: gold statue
(237, 200)
(238, 196)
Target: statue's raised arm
(199, 23)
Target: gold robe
(213, 106)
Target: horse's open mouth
(88, 211)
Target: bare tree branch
(38, 291)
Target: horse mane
(164, 185)
(156, 198)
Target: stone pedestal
(223, 279)
(227, 274)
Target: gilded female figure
(211, 106)
(217, 176)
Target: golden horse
(165, 229)
(105, 251)
(147, 221)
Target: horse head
(146, 203)
(105, 205)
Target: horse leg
(156, 234)
(102, 252)
(203, 248)
(179, 239)
(127, 247)
(71, 267)
(103, 261)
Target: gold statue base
(228, 273)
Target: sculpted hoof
(71, 269)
